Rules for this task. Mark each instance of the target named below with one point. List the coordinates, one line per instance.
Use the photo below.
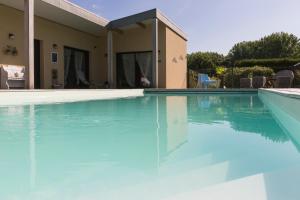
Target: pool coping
(197, 90)
(27, 97)
(50, 96)
(287, 92)
(36, 97)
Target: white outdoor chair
(12, 77)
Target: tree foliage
(276, 45)
(205, 60)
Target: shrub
(276, 63)
(232, 76)
(220, 71)
(193, 79)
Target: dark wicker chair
(284, 79)
(259, 81)
(245, 83)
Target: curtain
(129, 68)
(80, 75)
(67, 58)
(144, 61)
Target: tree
(204, 60)
(276, 45)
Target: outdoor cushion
(14, 72)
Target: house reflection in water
(173, 125)
(100, 138)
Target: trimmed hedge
(232, 76)
(276, 63)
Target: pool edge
(199, 91)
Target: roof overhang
(145, 17)
(71, 15)
(66, 13)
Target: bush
(276, 63)
(193, 79)
(232, 76)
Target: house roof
(66, 13)
(144, 16)
(72, 15)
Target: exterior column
(29, 43)
(110, 59)
(155, 51)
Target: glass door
(134, 70)
(76, 68)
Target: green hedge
(232, 76)
(276, 63)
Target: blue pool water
(149, 147)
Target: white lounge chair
(12, 77)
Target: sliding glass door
(76, 68)
(134, 70)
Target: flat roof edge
(131, 19)
(163, 18)
(150, 14)
(79, 11)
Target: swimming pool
(152, 147)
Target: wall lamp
(11, 36)
(54, 46)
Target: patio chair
(259, 81)
(284, 79)
(204, 81)
(245, 83)
(12, 77)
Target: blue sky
(212, 25)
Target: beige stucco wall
(162, 55)
(172, 69)
(176, 62)
(11, 21)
